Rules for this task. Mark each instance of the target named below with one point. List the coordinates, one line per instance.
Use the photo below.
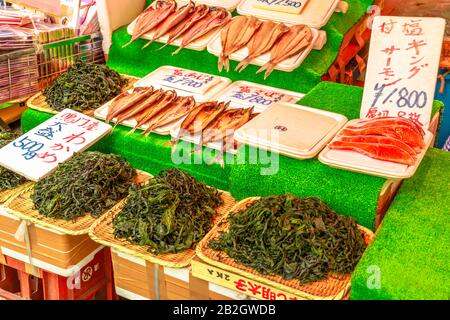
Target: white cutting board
(315, 14)
(357, 162)
(288, 65)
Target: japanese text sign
(190, 81)
(38, 152)
(255, 96)
(402, 69)
(289, 6)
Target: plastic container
(315, 14)
(227, 4)
(292, 130)
(354, 161)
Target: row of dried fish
(149, 107)
(261, 37)
(189, 22)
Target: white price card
(287, 6)
(402, 69)
(38, 152)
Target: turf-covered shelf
(348, 193)
(132, 60)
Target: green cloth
(134, 61)
(411, 250)
(6, 105)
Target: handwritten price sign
(290, 6)
(403, 64)
(189, 81)
(38, 152)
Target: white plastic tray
(101, 113)
(227, 4)
(315, 14)
(263, 102)
(288, 65)
(292, 126)
(198, 45)
(357, 162)
(156, 79)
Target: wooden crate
(45, 245)
(134, 279)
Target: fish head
(165, 4)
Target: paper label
(403, 63)
(288, 6)
(258, 97)
(189, 81)
(38, 152)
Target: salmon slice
(384, 152)
(388, 121)
(404, 133)
(380, 140)
(151, 17)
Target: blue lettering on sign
(184, 81)
(252, 98)
(402, 97)
(287, 3)
(29, 146)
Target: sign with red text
(38, 152)
(402, 69)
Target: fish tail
(147, 44)
(269, 70)
(178, 50)
(263, 68)
(227, 65)
(165, 45)
(242, 65)
(128, 43)
(220, 63)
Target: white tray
(315, 14)
(227, 4)
(227, 95)
(101, 113)
(198, 45)
(357, 162)
(156, 79)
(287, 118)
(288, 65)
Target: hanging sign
(403, 65)
(38, 152)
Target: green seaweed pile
(168, 214)
(9, 179)
(295, 238)
(89, 183)
(84, 86)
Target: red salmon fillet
(388, 121)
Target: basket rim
(262, 278)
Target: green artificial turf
(411, 250)
(134, 61)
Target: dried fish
(291, 43)
(127, 101)
(235, 36)
(171, 21)
(151, 17)
(216, 17)
(263, 40)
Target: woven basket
(37, 102)
(445, 57)
(22, 207)
(332, 288)
(102, 232)
(6, 195)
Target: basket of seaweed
(83, 88)
(163, 219)
(11, 183)
(79, 191)
(298, 245)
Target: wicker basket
(333, 287)
(102, 232)
(22, 207)
(6, 195)
(37, 102)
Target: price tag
(287, 6)
(403, 64)
(189, 81)
(38, 152)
